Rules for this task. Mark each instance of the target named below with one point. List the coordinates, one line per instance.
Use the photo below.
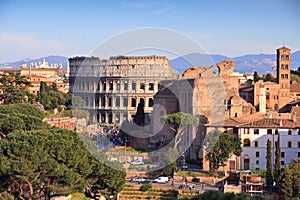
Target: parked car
(139, 180)
(137, 162)
(161, 179)
(184, 166)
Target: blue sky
(232, 28)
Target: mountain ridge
(262, 63)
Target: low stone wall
(233, 189)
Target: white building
(255, 130)
(254, 136)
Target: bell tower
(283, 75)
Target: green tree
(269, 173)
(6, 196)
(295, 169)
(50, 97)
(256, 77)
(139, 118)
(20, 117)
(15, 89)
(277, 159)
(286, 183)
(179, 122)
(23, 108)
(295, 77)
(269, 77)
(169, 160)
(51, 162)
(219, 147)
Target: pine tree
(295, 168)
(286, 183)
(269, 173)
(277, 160)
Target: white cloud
(16, 46)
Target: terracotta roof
(248, 88)
(272, 123)
(296, 110)
(231, 122)
(34, 76)
(10, 69)
(295, 88)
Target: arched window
(246, 143)
(216, 71)
(150, 102)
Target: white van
(161, 179)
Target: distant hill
(49, 59)
(262, 63)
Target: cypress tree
(269, 173)
(277, 160)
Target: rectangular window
(111, 85)
(257, 162)
(269, 131)
(282, 66)
(151, 67)
(298, 144)
(289, 144)
(118, 101)
(276, 97)
(256, 144)
(109, 101)
(133, 102)
(289, 132)
(256, 131)
(125, 102)
(257, 154)
(142, 86)
(286, 76)
(133, 86)
(103, 85)
(282, 76)
(282, 162)
(103, 101)
(126, 85)
(282, 154)
(298, 154)
(151, 86)
(286, 67)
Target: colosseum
(111, 89)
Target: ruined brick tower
(283, 75)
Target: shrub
(146, 187)
(6, 196)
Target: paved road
(196, 186)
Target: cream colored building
(113, 88)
